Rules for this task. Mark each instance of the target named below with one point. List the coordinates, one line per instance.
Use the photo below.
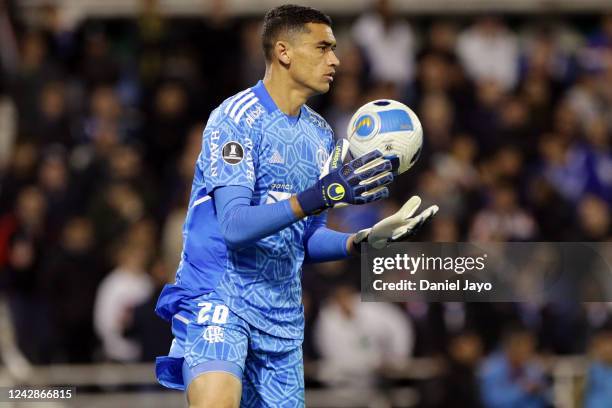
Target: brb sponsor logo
(214, 152)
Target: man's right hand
(359, 181)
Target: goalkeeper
(267, 172)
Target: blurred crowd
(100, 126)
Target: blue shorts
(209, 337)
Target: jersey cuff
(190, 373)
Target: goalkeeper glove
(397, 227)
(360, 181)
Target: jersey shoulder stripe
(242, 108)
(246, 99)
(229, 103)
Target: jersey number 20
(219, 315)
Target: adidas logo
(276, 158)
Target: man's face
(313, 61)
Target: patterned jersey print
(249, 142)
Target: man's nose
(334, 59)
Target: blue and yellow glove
(360, 181)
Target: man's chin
(322, 88)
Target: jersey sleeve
(242, 224)
(229, 157)
(322, 244)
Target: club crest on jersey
(321, 158)
(213, 334)
(232, 153)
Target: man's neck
(286, 94)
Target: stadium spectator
(594, 222)
(434, 188)
(538, 95)
(151, 41)
(597, 315)
(585, 98)
(126, 287)
(595, 56)
(357, 340)
(52, 122)
(388, 45)
(437, 117)
(169, 125)
(55, 184)
(8, 128)
(458, 386)
(24, 232)
(545, 56)
(457, 166)
(483, 120)
(489, 52)
(598, 392)
(106, 114)
(599, 158)
(116, 207)
(503, 219)
(9, 52)
(513, 377)
(563, 166)
(97, 67)
(554, 213)
(20, 172)
(71, 275)
(35, 70)
(435, 74)
(145, 328)
(442, 39)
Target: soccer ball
(389, 126)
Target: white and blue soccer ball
(389, 126)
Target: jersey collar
(264, 97)
(266, 100)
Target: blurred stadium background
(102, 104)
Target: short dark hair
(288, 17)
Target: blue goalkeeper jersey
(249, 142)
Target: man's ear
(282, 51)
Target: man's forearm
(351, 248)
(296, 208)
